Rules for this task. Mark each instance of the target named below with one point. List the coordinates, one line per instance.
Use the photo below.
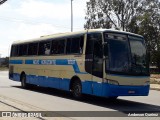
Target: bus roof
(61, 35)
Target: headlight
(113, 82)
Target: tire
(23, 81)
(112, 98)
(77, 89)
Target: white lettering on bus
(48, 62)
(36, 62)
(71, 62)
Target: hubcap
(23, 82)
(77, 90)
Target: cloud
(23, 32)
(61, 10)
(55, 13)
(28, 31)
(27, 19)
(4, 51)
(37, 9)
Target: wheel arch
(22, 73)
(73, 79)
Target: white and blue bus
(100, 62)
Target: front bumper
(109, 90)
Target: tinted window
(14, 51)
(23, 50)
(91, 39)
(75, 45)
(97, 56)
(58, 47)
(68, 46)
(139, 57)
(44, 48)
(32, 49)
(94, 55)
(118, 47)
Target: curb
(155, 89)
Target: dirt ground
(155, 79)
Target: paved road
(43, 99)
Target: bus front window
(138, 54)
(126, 54)
(118, 53)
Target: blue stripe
(88, 86)
(15, 61)
(62, 62)
(71, 62)
(28, 61)
(76, 69)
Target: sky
(27, 19)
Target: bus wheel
(23, 81)
(112, 98)
(77, 89)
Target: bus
(99, 62)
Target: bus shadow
(118, 105)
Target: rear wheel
(77, 89)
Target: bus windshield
(138, 54)
(126, 54)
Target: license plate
(131, 92)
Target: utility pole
(71, 16)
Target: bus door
(94, 66)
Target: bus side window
(58, 46)
(68, 46)
(14, 50)
(44, 48)
(23, 49)
(81, 43)
(32, 49)
(75, 45)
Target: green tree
(5, 63)
(147, 24)
(137, 16)
(95, 17)
(2, 1)
(110, 13)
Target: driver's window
(94, 55)
(97, 69)
(98, 58)
(118, 53)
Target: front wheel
(77, 90)
(112, 98)
(23, 81)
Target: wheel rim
(77, 90)
(23, 82)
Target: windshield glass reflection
(126, 54)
